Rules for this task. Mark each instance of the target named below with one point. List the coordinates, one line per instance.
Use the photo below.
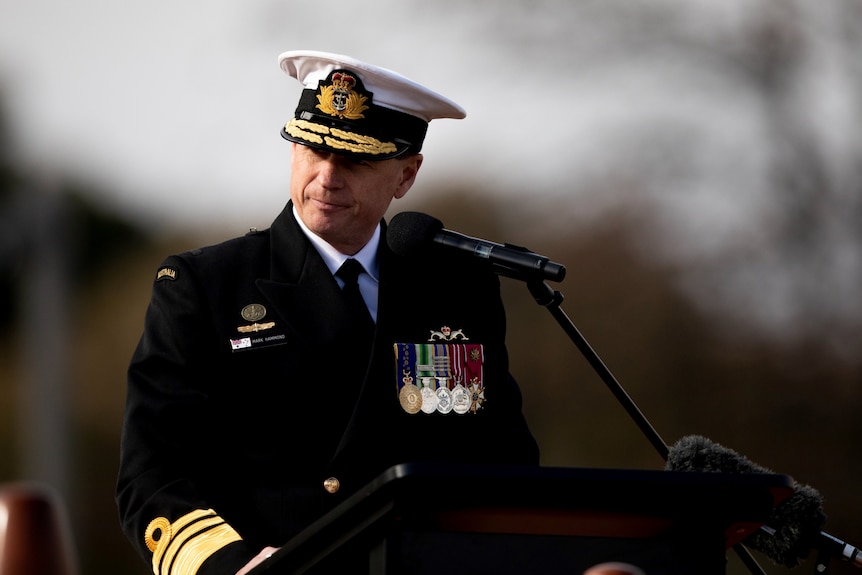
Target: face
(342, 199)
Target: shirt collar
(333, 258)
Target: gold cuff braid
(181, 547)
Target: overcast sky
(174, 107)
(688, 109)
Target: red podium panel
(418, 519)
(35, 536)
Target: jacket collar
(301, 287)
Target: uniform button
(331, 485)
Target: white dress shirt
(369, 282)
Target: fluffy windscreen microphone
(793, 527)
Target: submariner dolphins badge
(446, 334)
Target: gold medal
(410, 398)
(408, 395)
(477, 395)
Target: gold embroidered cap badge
(339, 99)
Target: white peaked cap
(390, 89)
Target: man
(259, 398)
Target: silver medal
(461, 399)
(444, 400)
(429, 398)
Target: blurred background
(696, 165)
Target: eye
(361, 162)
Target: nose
(329, 173)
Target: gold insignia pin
(253, 312)
(255, 327)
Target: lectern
(418, 519)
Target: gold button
(331, 485)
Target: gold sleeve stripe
(177, 545)
(199, 548)
(180, 548)
(165, 530)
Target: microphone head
(697, 453)
(411, 232)
(796, 521)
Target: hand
(265, 554)
(614, 569)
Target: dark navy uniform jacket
(232, 425)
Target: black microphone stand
(551, 299)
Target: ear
(409, 169)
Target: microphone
(411, 232)
(793, 527)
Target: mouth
(326, 206)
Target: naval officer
(280, 371)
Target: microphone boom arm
(551, 300)
(829, 547)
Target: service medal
(429, 398)
(444, 400)
(410, 398)
(461, 399)
(477, 395)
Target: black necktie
(361, 317)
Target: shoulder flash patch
(166, 273)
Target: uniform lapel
(301, 289)
(304, 294)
